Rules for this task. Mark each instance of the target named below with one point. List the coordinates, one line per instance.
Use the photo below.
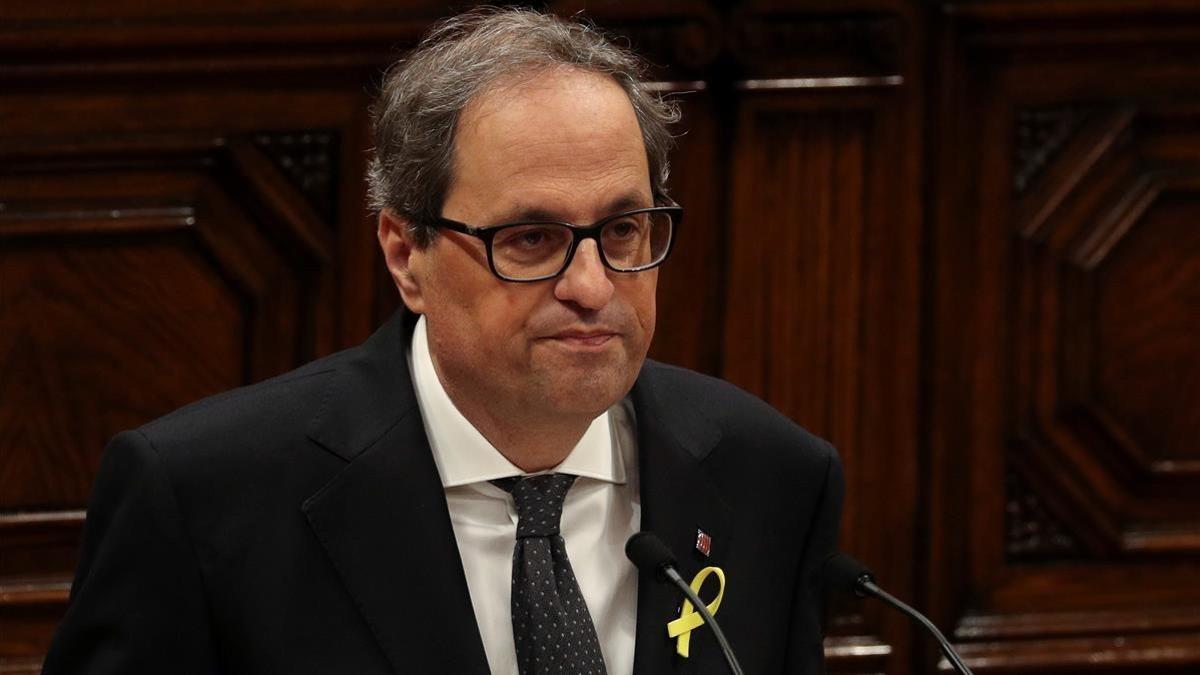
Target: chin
(590, 395)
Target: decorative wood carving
(1102, 132)
(761, 40)
(309, 159)
(1041, 134)
(1033, 532)
(677, 37)
(790, 43)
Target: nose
(585, 282)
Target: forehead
(563, 141)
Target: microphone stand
(868, 586)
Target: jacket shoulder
(743, 419)
(279, 405)
(716, 399)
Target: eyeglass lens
(529, 251)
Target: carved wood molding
(32, 218)
(309, 45)
(855, 44)
(766, 43)
(857, 654)
(684, 40)
(1048, 173)
(1041, 134)
(1017, 626)
(293, 175)
(1166, 652)
(21, 665)
(1143, 638)
(31, 528)
(29, 531)
(310, 160)
(1044, 27)
(1033, 531)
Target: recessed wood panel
(816, 263)
(690, 296)
(798, 208)
(101, 337)
(1147, 317)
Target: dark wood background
(961, 240)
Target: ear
(399, 249)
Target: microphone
(651, 555)
(846, 575)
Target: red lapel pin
(703, 542)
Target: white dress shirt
(601, 511)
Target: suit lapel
(383, 519)
(678, 497)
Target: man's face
(564, 146)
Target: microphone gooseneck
(846, 575)
(651, 555)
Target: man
(455, 494)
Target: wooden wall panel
(811, 193)
(1066, 281)
(173, 222)
(690, 286)
(822, 288)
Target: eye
(623, 229)
(532, 238)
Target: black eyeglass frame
(578, 232)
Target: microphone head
(649, 553)
(846, 575)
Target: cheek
(641, 296)
(491, 317)
(455, 303)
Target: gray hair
(424, 94)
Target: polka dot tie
(552, 628)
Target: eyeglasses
(630, 241)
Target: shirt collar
(464, 456)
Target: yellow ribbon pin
(689, 619)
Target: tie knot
(539, 501)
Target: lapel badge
(703, 542)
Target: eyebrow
(625, 202)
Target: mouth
(582, 339)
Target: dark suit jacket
(299, 526)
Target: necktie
(552, 628)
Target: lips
(583, 338)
